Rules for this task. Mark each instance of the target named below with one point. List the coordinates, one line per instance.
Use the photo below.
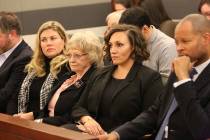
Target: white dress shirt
(5, 55)
(198, 68)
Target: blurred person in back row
(162, 48)
(204, 8)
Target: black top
(34, 93)
(105, 119)
(35, 88)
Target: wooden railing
(19, 129)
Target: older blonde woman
(84, 53)
(44, 69)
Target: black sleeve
(196, 114)
(9, 94)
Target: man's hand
(181, 66)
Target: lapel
(203, 79)
(104, 78)
(66, 76)
(14, 54)
(132, 74)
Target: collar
(153, 35)
(7, 53)
(201, 67)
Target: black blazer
(190, 121)
(11, 73)
(136, 93)
(66, 100)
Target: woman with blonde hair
(44, 70)
(85, 55)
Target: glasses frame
(76, 56)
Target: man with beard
(14, 55)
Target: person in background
(122, 4)
(43, 71)
(14, 55)
(117, 93)
(156, 11)
(84, 53)
(204, 8)
(112, 19)
(183, 113)
(161, 47)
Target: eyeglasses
(76, 56)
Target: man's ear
(145, 28)
(206, 37)
(12, 33)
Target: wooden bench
(19, 129)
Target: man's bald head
(200, 23)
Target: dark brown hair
(9, 21)
(135, 38)
(202, 2)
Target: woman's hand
(91, 126)
(27, 116)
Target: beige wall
(99, 31)
(30, 5)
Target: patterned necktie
(173, 106)
(192, 73)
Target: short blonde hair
(113, 17)
(89, 43)
(37, 63)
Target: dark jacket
(66, 100)
(135, 94)
(190, 121)
(11, 73)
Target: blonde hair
(37, 62)
(114, 17)
(89, 43)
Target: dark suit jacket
(11, 73)
(190, 121)
(136, 93)
(66, 100)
